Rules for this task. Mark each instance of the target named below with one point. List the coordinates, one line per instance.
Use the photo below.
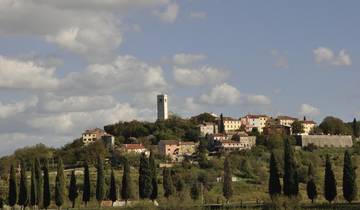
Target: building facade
(254, 121)
(135, 148)
(162, 107)
(231, 124)
(308, 126)
(92, 135)
(208, 128)
(176, 150)
(285, 120)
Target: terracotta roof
(308, 122)
(286, 118)
(255, 115)
(133, 146)
(94, 130)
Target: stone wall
(324, 140)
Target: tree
(33, 190)
(59, 184)
(12, 196)
(355, 128)
(221, 124)
(330, 181)
(334, 126)
(167, 183)
(310, 185)
(73, 189)
(100, 181)
(154, 184)
(227, 183)
(179, 185)
(112, 191)
(274, 179)
(297, 127)
(291, 184)
(39, 182)
(46, 190)
(195, 190)
(86, 184)
(23, 189)
(349, 178)
(144, 177)
(126, 188)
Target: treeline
(290, 186)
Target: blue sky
(70, 65)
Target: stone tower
(162, 107)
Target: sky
(69, 65)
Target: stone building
(177, 150)
(208, 128)
(93, 135)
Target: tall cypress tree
(112, 191)
(126, 188)
(291, 184)
(86, 184)
(310, 185)
(46, 191)
(39, 182)
(100, 182)
(330, 181)
(33, 190)
(73, 189)
(12, 196)
(221, 124)
(274, 179)
(167, 183)
(154, 184)
(349, 178)
(227, 182)
(59, 185)
(355, 128)
(23, 188)
(144, 177)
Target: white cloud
(170, 14)
(281, 60)
(187, 58)
(19, 74)
(196, 77)
(198, 15)
(223, 94)
(11, 109)
(308, 110)
(327, 56)
(258, 100)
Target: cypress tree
(227, 182)
(154, 184)
(112, 191)
(100, 182)
(33, 190)
(330, 181)
(59, 185)
(126, 188)
(73, 190)
(310, 185)
(195, 190)
(46, 191)
(12, 196)
(39, 182)
(86, 185)
(355, 128)
(291, 184)
(144, 177)
(274, 179)
(23, 188)
(167, 183)
(349, 178)
(221, 124)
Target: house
(177, 150)
(135, 148)
(254, 121)
(308, 126)
(208, 128)
(93, 135)
(272, 129)
(324, 140)
(285, 120)
(231, 124)
(231, 145)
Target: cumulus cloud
(170, 13)
(258, 100)
(198, 15)
(308, 110)
(11, 109)
(223, 94)
(187, 58)
(19, 74)
(327, 56)
(196, 77)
